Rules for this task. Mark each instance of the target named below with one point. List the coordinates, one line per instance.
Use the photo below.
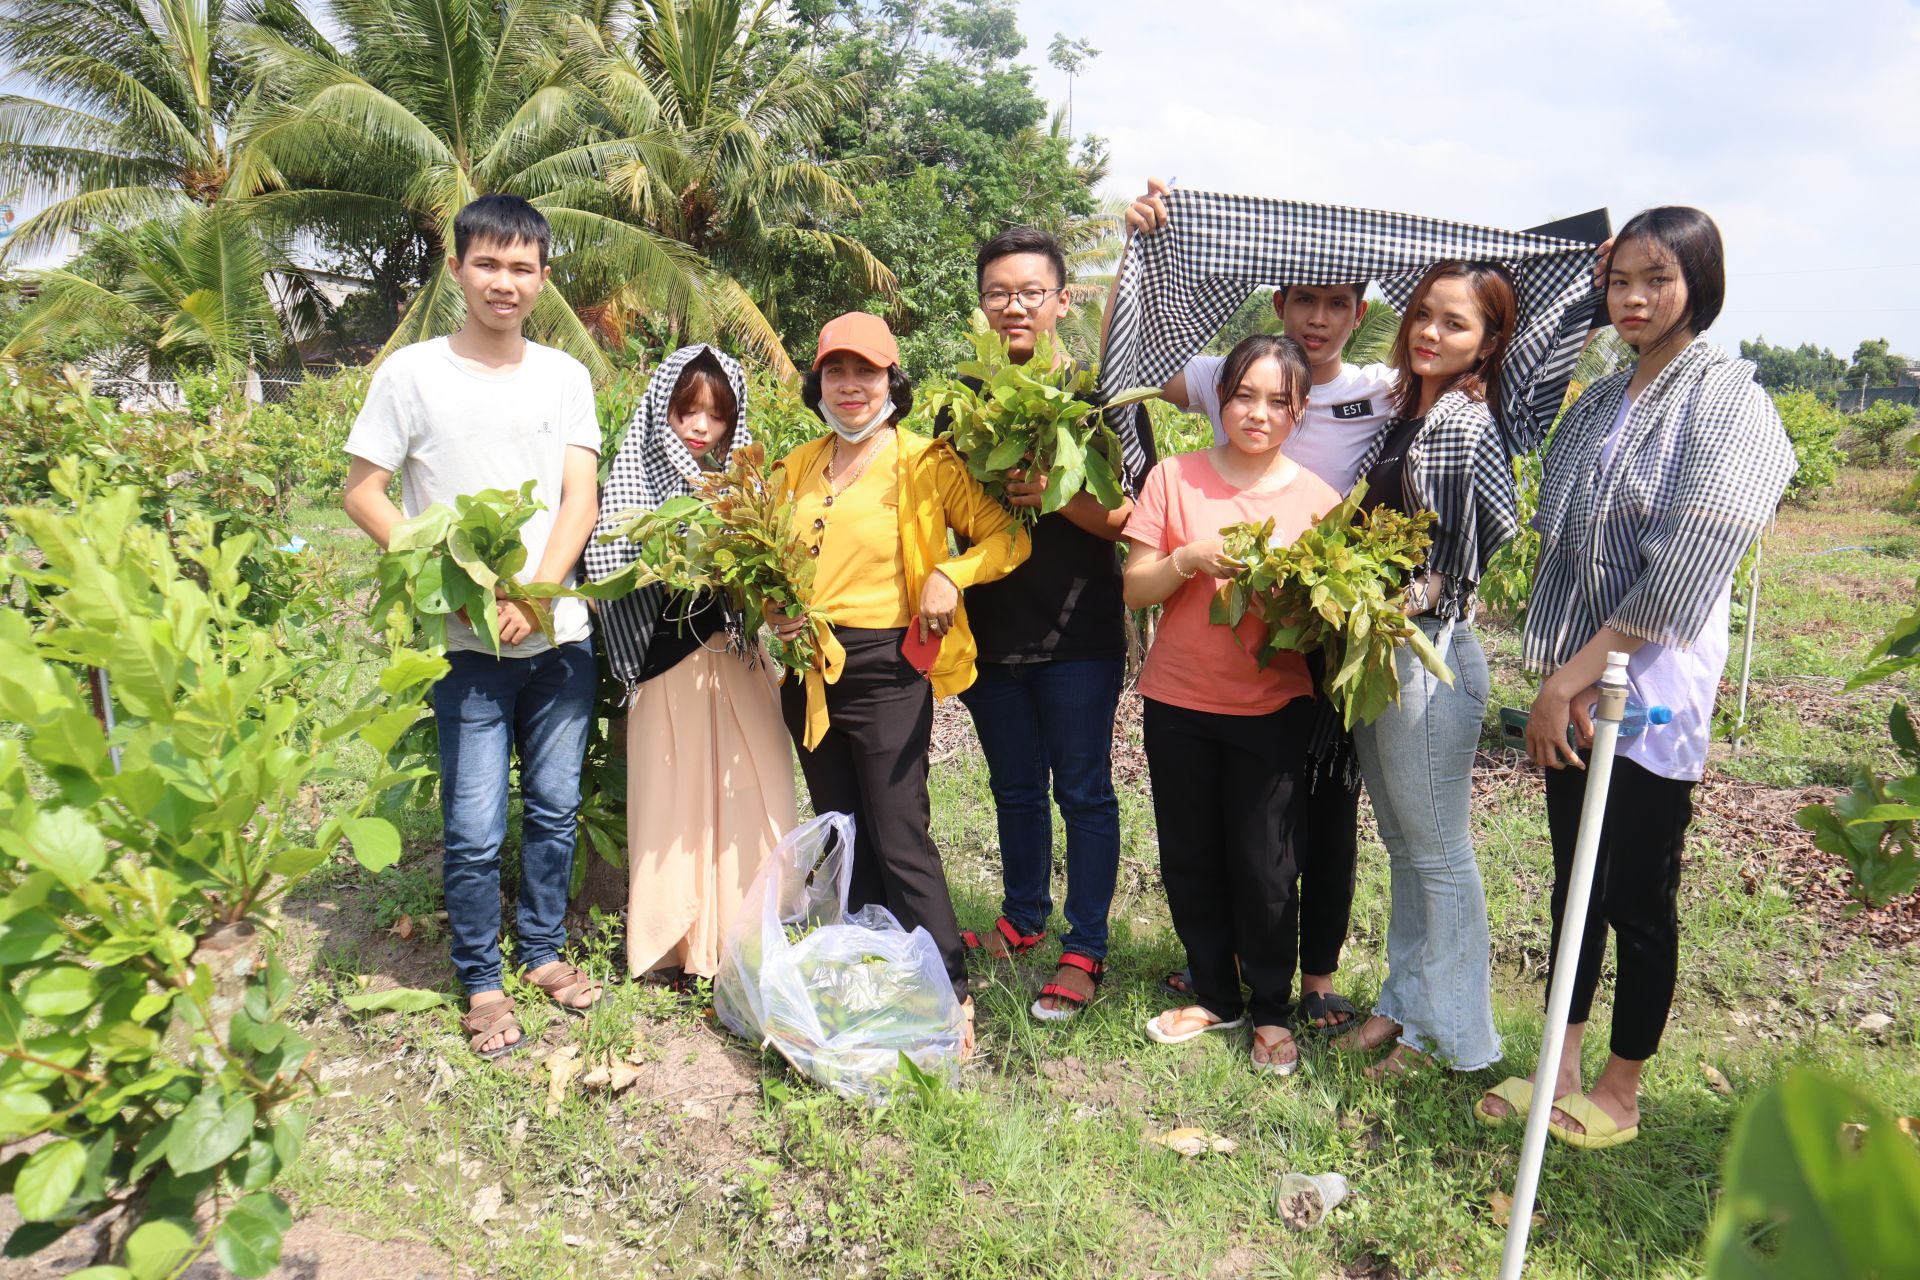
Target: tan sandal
(969, 1040)
(563, 984)
(485, 1021)
(1273, 1044)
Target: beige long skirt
(709, 793)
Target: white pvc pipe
(1746, 657)
(1573, 926)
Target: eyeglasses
(997, 299)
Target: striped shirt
(1649, 544)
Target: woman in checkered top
(1657, 483)
(1442, 452)
(709, 772)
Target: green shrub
(142, 1026)
(1814, 427)
(303, 440)
(1508, 581)
(1876, 428)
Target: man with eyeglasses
(1053, 646)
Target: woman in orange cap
(874, 505)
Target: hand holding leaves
(1034, 419)
(1339, 587)
(462, 560)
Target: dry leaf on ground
(1874, 1022)
(562, 1065)
(1716, 1081)
(402, 928)
(1194, 1142)
(1503, 1210)
(486, 1205)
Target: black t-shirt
(1387, 477)
(678, 633)
(1064, 601)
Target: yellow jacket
(937, 494)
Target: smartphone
(1513, 728)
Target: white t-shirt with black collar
(1342, 418)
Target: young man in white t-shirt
(1347, 406)
(487, 409)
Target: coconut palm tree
(139, 97)
(709, 114)
(194, 287)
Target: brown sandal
(485, 1021)
(563, 984)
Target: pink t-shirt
(1195, 663)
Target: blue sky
(1796, 126)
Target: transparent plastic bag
(840, 996)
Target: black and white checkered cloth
(651, 467)
(1178, 285)
(1457, 468)
(1648, 543)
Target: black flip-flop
(1325, 1004)
(1171, 984)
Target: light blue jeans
(1418, 763)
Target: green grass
(722, 1162)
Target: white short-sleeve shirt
(450, 429)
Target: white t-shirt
(449, 429)
(1342, 418)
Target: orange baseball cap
(862, 333)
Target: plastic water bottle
(1637, 716)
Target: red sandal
(1018, 944)
(1094, 969)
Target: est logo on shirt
(1353, 409)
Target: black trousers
(1329, 843)
(1226, 801)
(872, 764)
(1636, 887)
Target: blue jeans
(1417, 759)
(487, 709)
(1041, 722)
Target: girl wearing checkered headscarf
(709, 772)
(1658, 481)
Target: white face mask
(854, 433)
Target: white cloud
(1793, 128)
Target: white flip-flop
(1155, 1034)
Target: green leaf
(375, 842)
(395, 999)
(409, 669)
(64, 843)
(65, 989)
(21, 1112)
(247, 1240)
(1806, 1195)
(48, 1179)
(101, 1273)
(30, 936)
(208, 1130)
(157, 1247)
(427, 529)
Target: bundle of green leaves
(733, 537)
(1338, 588)
(1038, 417)
(461, 560)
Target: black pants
(1329, 843)
(872, 764)
(1636, 887)
(1226, 801)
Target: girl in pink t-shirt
(1226, 739)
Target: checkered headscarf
(1177, 286)
(651, 467)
